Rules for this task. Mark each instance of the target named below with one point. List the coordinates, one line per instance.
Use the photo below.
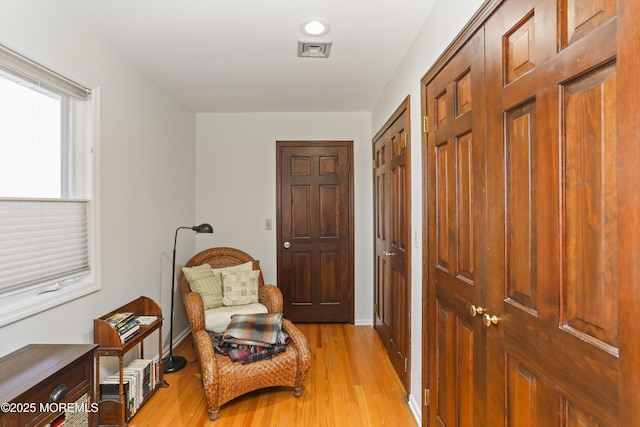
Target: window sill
(21, 306)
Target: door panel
(382, 294)
(392, 241)
(315, 241)
(552, 213)
(455, 163)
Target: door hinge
(406, 364)
(375, 164)
(405, 139)
(425, 124)
(375, 308)
(427, 397)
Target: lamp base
(173, 364)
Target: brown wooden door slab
(315, 230)
(553, 205)
(392, 291)
(456, 217)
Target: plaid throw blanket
(264, 330)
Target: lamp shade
(203, 228)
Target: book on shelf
(133, 379)
(146, 320)
(142, 366)
(125, 324)
(133, 387)
(133, 324)
(139, 379)
(118, 319)
(126, 335)
(110, 390)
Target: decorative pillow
(240, 288)
(247, 266)
(207, 281)
(202, 280)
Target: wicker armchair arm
(299, 341)
(208, 369)
(271, 297)
(195, 311)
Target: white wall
(236, 184)
(147, 146)
(443, 23)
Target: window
(48, 221)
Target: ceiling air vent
(314, 49)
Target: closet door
(455, 188)
(553, 205)
(392, 293)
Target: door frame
(279, 240)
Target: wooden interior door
(556, 258)
(392, 290)
(456, 217)
(315, 230)
(553, 204)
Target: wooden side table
(113, 412)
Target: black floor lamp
(175, 363)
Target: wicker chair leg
(297, 392)
(213, 415)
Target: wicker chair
(224, 380)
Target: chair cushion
(217, 319)
(240, 287)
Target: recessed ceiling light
(314, 28)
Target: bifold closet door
(553, 202)
(456, 240)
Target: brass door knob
(287, 245)
(489, 320)
(387, 253)
(475, 310)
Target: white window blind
(43, 242)
(32, 70)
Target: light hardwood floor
(350, 383)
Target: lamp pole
(175, 363)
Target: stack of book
(125, 324)
(139, 379)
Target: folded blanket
(253, 353)
(246, 353)
(263, 330)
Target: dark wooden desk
(40, 383)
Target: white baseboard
(415, 409)
(177, 340)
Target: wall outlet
(267, 224)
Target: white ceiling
(241, 55)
